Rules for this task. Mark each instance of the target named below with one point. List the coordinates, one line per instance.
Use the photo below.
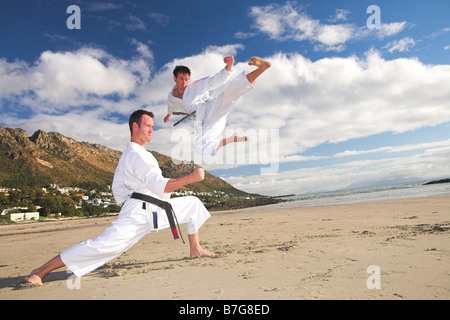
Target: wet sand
(267, 253)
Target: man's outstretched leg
(233, 138)
(36, 276)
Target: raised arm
(229, 61)
(175, 184)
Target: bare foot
(197, 253)
(260, 63)
(238, 138)
(233, 138)
(33, 280)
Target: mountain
(51, 157)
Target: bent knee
(195, 200)
(207, 147)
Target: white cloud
(309, 103)
(439, 33)
(61, 86)
(101, 6)
(267, 21)
(160, 18)
(341, 14)
(337, 99)
(391, 29)
(286, 22)
(66, 78)
(143, 50)
(431, 164)
(331, 35)
(244, 35)
(401, 45)
(387, 149)
(60, 80)
(135, 23)
(332, 99)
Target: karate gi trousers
(211, 117)
(133, 222)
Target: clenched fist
(198, 175)
(229, 61)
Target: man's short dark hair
(136, 117)
(181, 69)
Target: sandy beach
(267, 253)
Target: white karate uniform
(211, 112)
(137, 171)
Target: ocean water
(388, 192)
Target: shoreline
(269, 201)
(267, 253)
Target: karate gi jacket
(138, 171)
(197, 92)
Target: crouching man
(139, 184)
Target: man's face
(143, 133)
(181, 80)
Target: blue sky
(349, 105)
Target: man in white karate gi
(211, 112)
(137, 171)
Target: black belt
(186, 115)
(167, 207)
